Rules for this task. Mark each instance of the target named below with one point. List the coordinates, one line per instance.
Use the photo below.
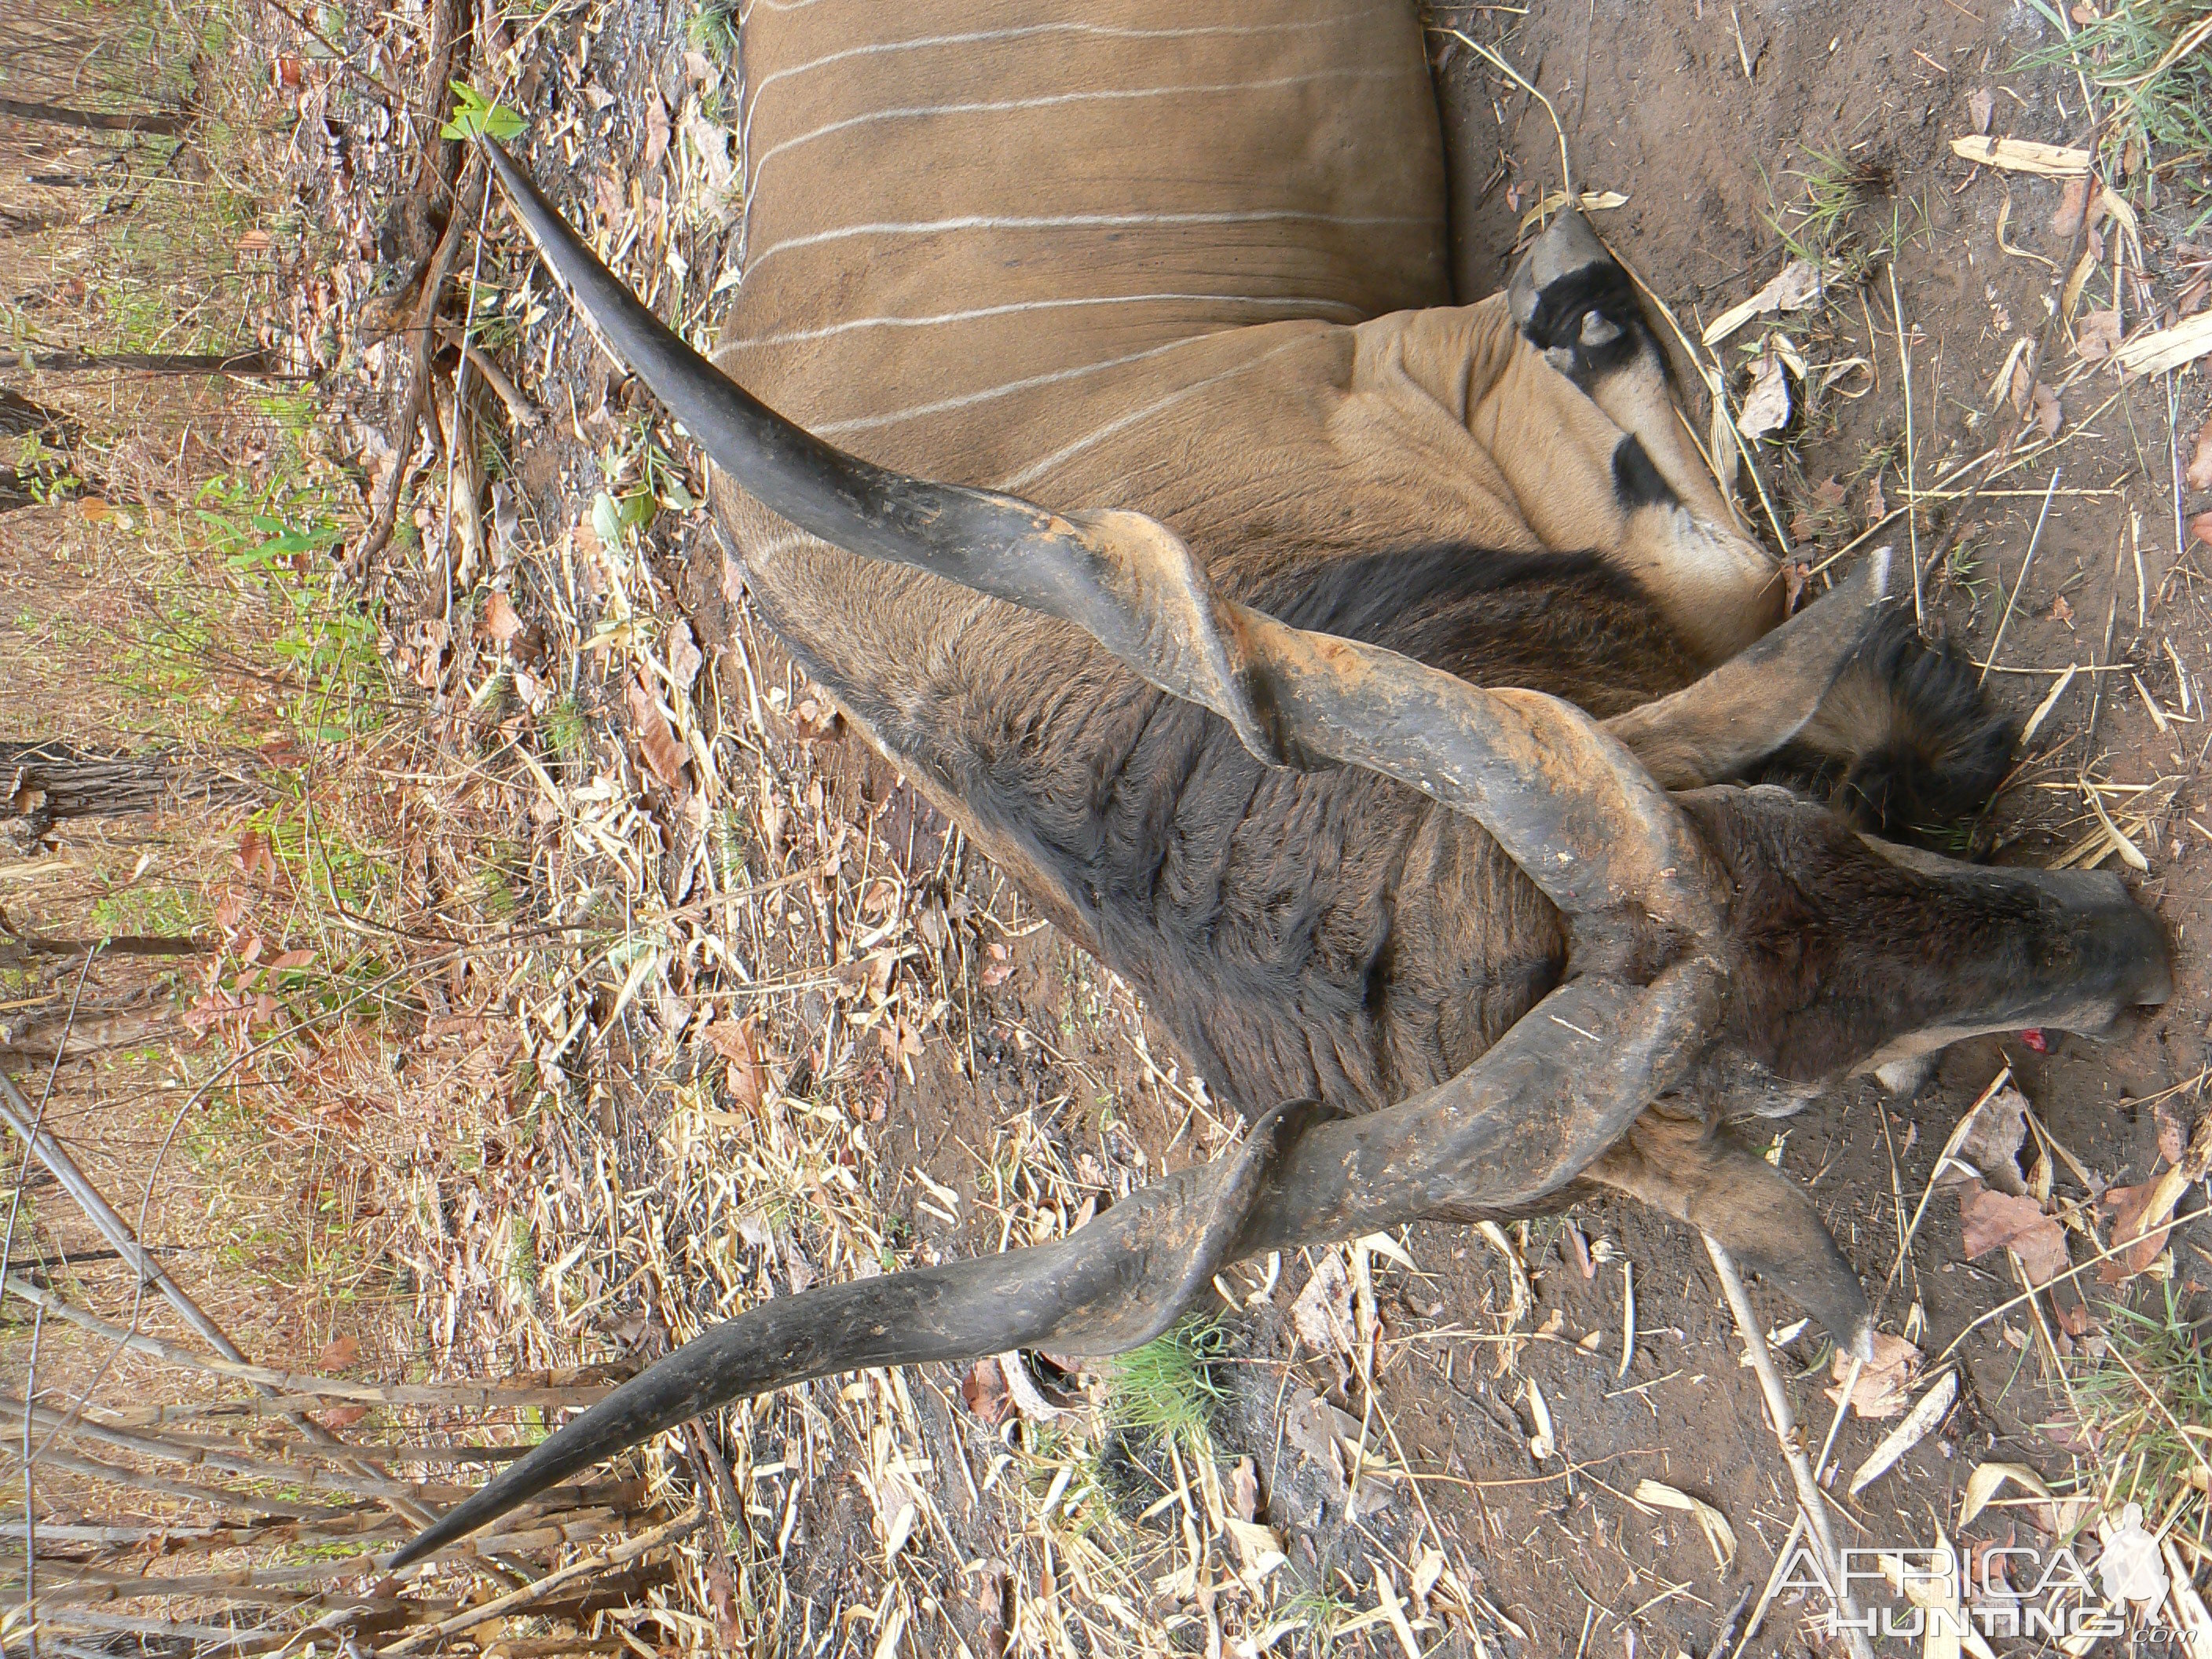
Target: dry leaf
(2099, 335)
(343, 1416)
(1908, 1434)
(2200, 528)
(983, 1391)
(2172, 1138)
(1992, 1141)
(1322, 1313)
(1259, 1546)
(684, 657)
(1885, 1384)
(2048, 414)
(1546, 1440)
(736, 1042)
(663, 755)
(1986, 1481)
(2015, 1223)
(2023, 156)
(500, 620)
(2199, 475)
(1718, 1534)
(2061, 612)
(2130, 1208)
(1244, 1489)
(2073, 204)
(1767, 405)
(339, 1354)
(1796, 286)
(1981, 105)
(656, 132)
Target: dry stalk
(531, 1594)
(1810, 1503)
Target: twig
(525, 413)
(1765, 1596)
(537, 1590)
(2020, 581)
(16, 1112)
(1812, 1505)
(384, 517)
(1911, 474)
(302, 1389)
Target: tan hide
(1173, 255)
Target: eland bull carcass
(1379, 684)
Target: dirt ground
(1700, 112)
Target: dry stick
(1911, 473)
(1766, 1595)
(2020, 581)
(89, 1583)
(221, 1460)
(2104, 657)
(132, 1480)
(16, 1112)
(525, 413)
(537, 1590)
(385, 517)
(303, 1389)
(1810, 1500)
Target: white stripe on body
(968, 399)
(1081, 222)
(1015, 483)
(799, 335)
(1026, 31)
(1051, 99)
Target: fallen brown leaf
(2012, 1222)
(500, 620)
(2131, 1208)
(984, 1390)
(2200, 528)
(2048, 414)
(1244, 1490)
(2199, 475)
(2072, 203)
(1885, 1386)
(339, 1354)
(655, 741)
(1322, 1313)
(2097, 337)
(1981, 105)
(1992, 1141)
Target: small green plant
(2150, 57)
(2142, 1400)
(713, 27)
(1165, 1391)
(1826, 221)
(566, 729)
(476, 116)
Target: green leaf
(477, 116)
(606, 520)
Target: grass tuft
(2152, 59)
(2146, 1397)
(1165, 1391)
